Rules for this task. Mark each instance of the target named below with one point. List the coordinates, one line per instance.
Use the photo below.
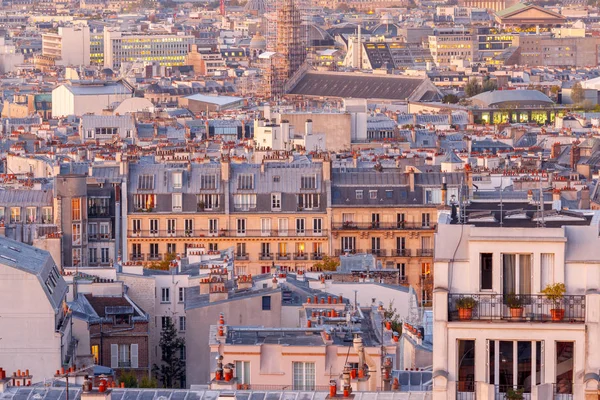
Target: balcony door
(517, 273)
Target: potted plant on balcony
(515, 304)
(201, 206)
(465, 307)
(514, 394)
(555, 292)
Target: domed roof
(258, 42)
(387, 27)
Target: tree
(489, 85)
(577, 94)
(164, 264)
(450, 99)
(148, 383)
(129, 379)
(328, 264)
(172, 367)
(472, 88)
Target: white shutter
(114, 356)
(134, 356)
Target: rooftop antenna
(541, 202)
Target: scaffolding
(290, 41)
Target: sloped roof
(359, 86)
(522, 7)
(510, 96)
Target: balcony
(316, 256)
(378, 252)
(136, 257)
(284, 256)
(534, 308)
(424, 252)
(242, 256)
(300, 256)
(382, 226)
(197, 233)
(154, 257)
(401, 252)
(265, 256)
(339, 252)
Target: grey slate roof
(360, 86)
(36, 262)
(24, 198)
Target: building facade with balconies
(270, 213)
(393, 215)
(495, 330)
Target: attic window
(208, 182)
(146, 182)
(276, 179)
(308, 182)
(246, 182)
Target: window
(425, 219)
(308, 201)
(373, 194)
(144, 201)
(242, 372)
(172, 248)
(95, 353)
(389, 194)
(265, 226)
(401, 271)
(374, 220)
(124, 356)
(565, 351)
(547, 277)
(244, 201)
(92, 231)
(171, 225)
(189, 227)
(265, 249)
(348, 243)
(359, 194)
(375, 244)
(93, 253)
(208, 182)
(276, 179)
(266, 303)
(213, 247)
(76, 234)
(136, 251)
(104, 255)
(240, 249)
(300, 226)
(15, 215)
(241, 226)
(433, 196)
(177, 179)
(164, 322)
(182, 324)
(136, 225)
(400, 218)
(30, 217)
(282, 226)
(46, 215)
(308, 182)
(401, 243)
(207, 201)
(182, 357)
(486, 271)
(154, 227)
(76, 209)
(245, 182)
(165, 295)
(466, 365)
(276, 201)
(181, 295)
(317, 225)
(154, 250)
(304, 375)
(516, 273)
(213, 226)
(146, 182)
(511, 363)
(176, 201)
(104, 230)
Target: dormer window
(246, 182)
(146, 182)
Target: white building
(35, 330)
(70, 46)
(104, 128)
(92, 97)
(496, 350)
(9, 56)
(166, 49)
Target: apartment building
(549, 51)
(106, 128)
(272, 212)
(69, 46)
(495, 329)
(393, 215)
(448, 44)
(166, 49)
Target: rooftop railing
(515, 308)
(382, 226)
